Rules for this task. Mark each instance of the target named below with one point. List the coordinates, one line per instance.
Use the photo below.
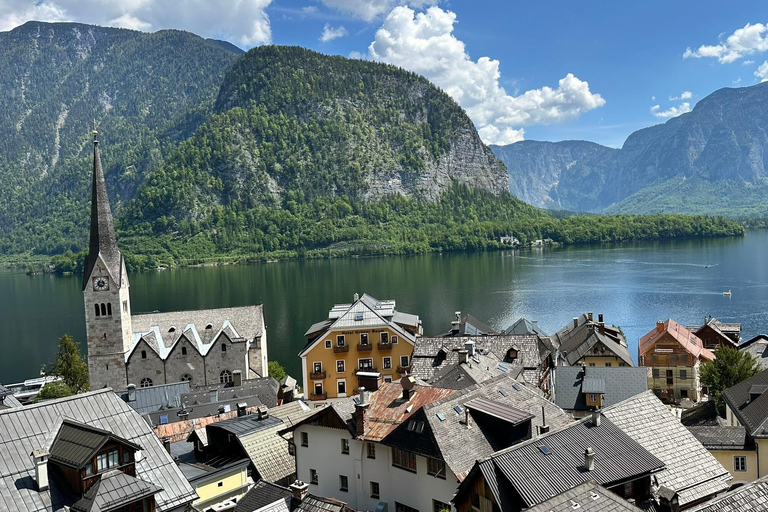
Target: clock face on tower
(100, 284)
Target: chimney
(600, 318)
(589, 459)
(463, 356)
(601, 327)
(167, 444)
(408, 384)
(544, 428)
(131, 392)
(40, 458)
(469, 346)
(359, 415)
(589, 315)
(237, 378)
(659, 326)
(596, 415)
(466, 417)
(299, 489)
(575, 322)
(183, 414)
(214, 394)
(263, 412)
(535, 324)
(355, 298)
(668, 500)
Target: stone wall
(178, 364)
(152, 367)
(234, 358)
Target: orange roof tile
(683, 336)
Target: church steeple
(103, 241)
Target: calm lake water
(633, 285)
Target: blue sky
(538, 70)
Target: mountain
(711, 160)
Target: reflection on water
(633, 285)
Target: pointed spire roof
(103, 241)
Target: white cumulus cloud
(424, 43)
(762, 72)
(244, 22)
(744, 41)
(330, 33)
(671, 111)
(369, 10)
(685, 95)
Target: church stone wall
(217, 361)
(178, 364)
(152, 367)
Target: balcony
(403, 369)
(318, 396)
(364, 348)
(317, 375)
(338, 350)
(367, 368)
(384, 346)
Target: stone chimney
(299, 489)
(463, 356)
(600, 317)
(263, 412)
(659, 326)
(408, 383)
(237, 378)
(575, 322)
(469, 346)
(589, 315)
(360, 410)
(131, 392)
(596, 417)
(40, 458)
(589, 459)
(167, 444)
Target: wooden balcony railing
(338, 350)
(317, 375)
(364, 348)
(367, 368)
(318, 396)
(384, 346)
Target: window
(403, 360)
(622, 364)
(364, 338)
(318, 388)
(591, 364)
(439, 506)
(143, 354)
(145, 382)
(221, 484)
(592, 397)
(113, 459)
(385, 337)
(374, 489)
(345, 446)
(291, 449)
(340, 366)
(366, 364)
(103, 309)
(89, 469)
(683, 374)
(317, 367)
(341, 387)
(163, 419)
(327, 343)
(403, 459)
(225, 376)
(98, 311)
(387, 378)
(183, 351)
(126, 456)
(436, 467)
(223, 347)
(655, 373)
(371, 451)
(394, 340)
(608, 364)
(343, 483)
(739, 463)
(399, 507)
(101, 462)
(683, 393)
(313, 476)
(186, 378)
(340, 340)
(109, 309)
(304, 439)
(387, 363)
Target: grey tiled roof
(525, 326)
(7, 400)
(752, 496)
(265, 388)
(622, 382)
(721, 438)
(269, 497)
(758, 347)
(701, 414)
(246, 424)
(25, 429)
(753, 414)
(156, 398)
(263, 493)
(114, 490)
(590, 497)
(690, 469)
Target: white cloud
(745, 41)
(685, 95)
(671, 111)
(330, 33)
(369, 10)
(747, 62)
(244, 22)
(309, 9)
(424, 43)
(762, 72)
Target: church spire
(103, 241)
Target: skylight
(544, 449)
(503, 393)
(356, 400)
(516, 386)
(457, 409)
(503, 368)
(440, 416)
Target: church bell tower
(105, 291)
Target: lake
(633, 285)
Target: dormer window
(209, 326)
(172, 329)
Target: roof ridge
(56, 401)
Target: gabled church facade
(203, 346)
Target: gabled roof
(721, 437)
(524, 326)
(683, 336)
(7, 399)
(690, 469)
(751, 496)
(156, 398)
(76, 444)
(753, 414)
(625, 382)
(727, 331)
(25, 429)
(758, 347)
(589, 496)
(575, 343)
(113, 491)
(471, 326)
(267, 497)
(701, 414)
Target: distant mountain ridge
(712, 160)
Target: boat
(727, 294)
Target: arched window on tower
(143, 354)
(109, 309)
(183, 351)
(145, 382)
(103, 309)
(223, 347)
(98, 311)
(225, 376)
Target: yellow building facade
(221, 486)
(360, 344)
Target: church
(203, 347)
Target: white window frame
(384, 364)
(313, 366)
(342, 339)
(367, 339)
(328, 344)
(340, 395)
(387, 378)
(364, 359)
(393, 340)
(343, 366)
(743, 458)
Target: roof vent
(131, 392)
(574, 505)
(172, 329)
(209, 326)
(594, 495)
(589, 459)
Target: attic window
(503, 393)
(440, 416)
(163, 419)
(457, 409)
(516, 386)
(358, 317)
(415, 426)
(172, 329)
(209, 326)
(503, 368)
(544, 449)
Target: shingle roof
(701, 414)
(752, 496)
(758, 347)
(156, 398)
(721, 438)
(590, 497)
(525, 326)
(263, 493)
(690, 469)
(471, 326)
(76, 444)
(267, 497)
(576, 343)
(683, 336)
(625, 382)
(112, 491)
(25, 429)
(753, 414)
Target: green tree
(71, 367)
(730, 367)
(57, 389)
(276, 370)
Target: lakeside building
(674, 355)
(469, 326)
(361, 344)
(758, 348)
(590, 342)
(582, 389)
(714, 333)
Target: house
(525, 326)
(758, 347)
(219, 483)
(88, 452)
(701, 415)
(581, 389)
(408, 445)
(585, 341)
(752, 496)
(732, 447)
(360, 344)
(675, 356)
(469, 326)
(586, 497)
(690, 471)
(529, 474)
(269, 497)
(715, 333)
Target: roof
(730, 332)
(625, 382)
(525, 326)
(498, 410)
(690, 469)
(758, 347)
(553, 463)
(112, 491)
(268, 497)
(76, 444)
(471, 326)
(575, 342)
(214, 467)
(156, 398)
(751, 496)
(753, 414)
(683, 336)
(7, 399)
(701, 414)
(201, 328)
(103, 243)
(263, 493)
(478, 369)
(721, 437)
(589, 496)
(25, 429)
(246, 424)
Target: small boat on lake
(727, 294)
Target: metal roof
(569, 388)
(593, 385)
(246, 424)
(680, 334)
(586, 497)
(112, 491)
(751, 496)
(751, 412)
(76, 443)
(721, 438)
(155, 398)
(498, 410)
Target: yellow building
(218, 487)
(360, 344)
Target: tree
(69, 365)
(56, 389)
(730, 367)
(276, 370)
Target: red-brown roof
(683, 336)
